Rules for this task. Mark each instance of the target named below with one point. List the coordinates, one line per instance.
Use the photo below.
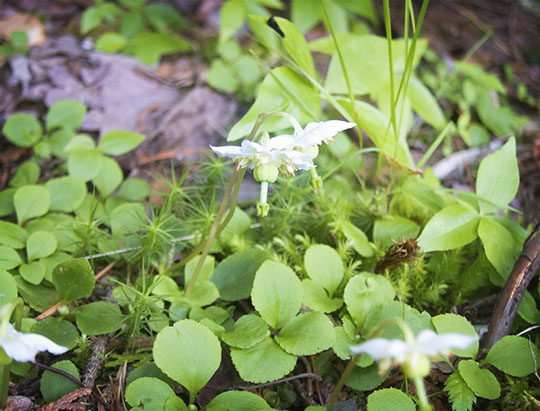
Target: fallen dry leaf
(23, 22)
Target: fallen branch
(524, 270)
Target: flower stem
(422, 396)
(341, 382)
(262, 205)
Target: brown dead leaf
(23, 22)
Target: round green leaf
(12, 235)
(99, 318)
(204, 293)
(31, 201)
(68, 114)
(27, 174)
(9, 258)
(307, 334)
(453, 323)
(109, 177)
(246, 332)
(33, 272)
(111, 42)
(23, 130)
(391, 227)
(85, 164)
(54, 385)
(8, 287)
(481, 381)
(452, 227)
(362, 294)
(513, 355)
(390, 399)
(67, 193)
(237, 401)
(234, 275)
(316, 298)
(73, 279)
(263, 362)
(134, 189)
(119, 142)
(189, 353)
(324, 266)
(6, 202)
(276, 293)
(60, 331)
(150, 393)
(40, 244)
(358, 239)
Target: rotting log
(523, 272)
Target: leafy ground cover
(364, 249)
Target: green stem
(422, 396)
(341, 382)
(17, 316)
(434, 146)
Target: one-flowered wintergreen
(413, 353)
(24, 347)
(284, 153)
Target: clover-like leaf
(262, 362)
(189, 353)
(307, 334)
(276, 293)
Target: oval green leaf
(323, 265)
(34, 272)
(9, 258)
(109, 177)
(246, 332)
(453, 323)
(276, 293)
(31, 201)
(452, 227)
(12, 235)
(189, 353)
(68, 114)
(307, 334)
(23, 130)
(27, 174)
(99, 318)
(8, 287)
(263, 362)
(67, 193)
(150, 393)
(238, 401)
(73, 279)
(481, 381)
(316, 297)
(119, 142)
(390, 399)
(40, 244)
(54, 386)
(514, 355)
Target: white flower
(428, 343)
(24, 347)
(314, 134)
(413, 354)
(273, 151)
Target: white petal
(24, 347)
(380, 348)
(283, 142)
(228, 151)
(317, 132)
(429, 343)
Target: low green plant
(146, 31)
